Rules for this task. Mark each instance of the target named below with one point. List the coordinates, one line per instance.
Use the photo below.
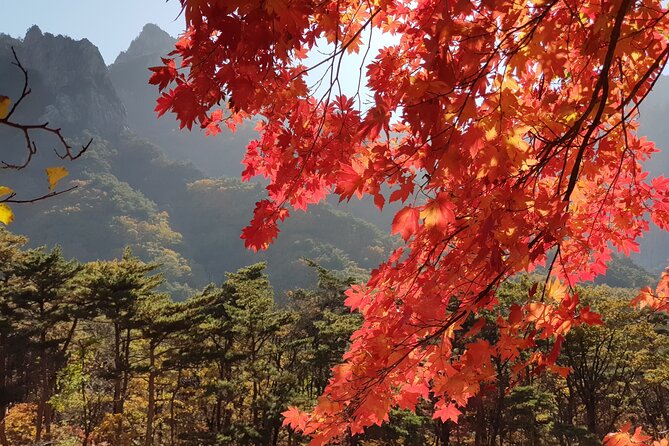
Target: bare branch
(10, 198)
(26, 129)
(31, 146)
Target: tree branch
(26, 129)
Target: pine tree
(41, 289)
(159, 320)
(13, 336)
(114, 289)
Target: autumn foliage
(506, 129)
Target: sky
(110, 24)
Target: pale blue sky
(112, 24)
(109, 24)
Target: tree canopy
(94, 353)
(506, 129)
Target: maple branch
(603, 86)
(362, 64)
(26, 89)
(656, 68)
(550, 271)
(343, 48)
(654, 71)
(31, 146)
(618, 170)
(362, 394)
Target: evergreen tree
(114, 289)
(13, 335)
(41, 289)
(159, 320)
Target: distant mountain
(654, 246)
(146, 184)
(151, 42)
(132, 192)
(69, 79)
(219, 156)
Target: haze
(110, 25)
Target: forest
(94, 353)
(351, 222)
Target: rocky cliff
(129, 193)
(71, 79)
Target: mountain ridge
(129, 193)
(82, 92)
(169, 209)
(151, 40)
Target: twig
(27, 128)
(10, 197)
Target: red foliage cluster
(514, 145)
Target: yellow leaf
(5, 102)
(430, 216)
(438, 212)
(571, 117)
(4, 190)
(54, 175)
(6, 214)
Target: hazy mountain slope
(130, 193)
(219, 156)
(654, 246)
(72, 81)
(212, 213)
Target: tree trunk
(496, 417)
(172, 399)
(48, 418)
(443, 433)
(3, 429)
(3, 385)
(352, 439)
(659, 391)
(148, 438)
(591, 415)
(216, 414)
(480, 420)
(117, 407)
(275, 435)
(43, 398)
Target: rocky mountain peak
(33, 34)
(150, 42)
(73, 76)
